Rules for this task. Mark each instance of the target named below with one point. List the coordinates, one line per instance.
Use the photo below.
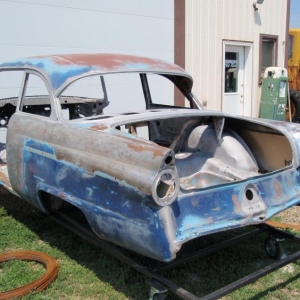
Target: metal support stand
(160, 285)
(157, 291)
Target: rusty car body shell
(215, 174)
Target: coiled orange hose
(41, 283)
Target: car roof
(63, 69)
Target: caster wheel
(274, 247)
(160, 296)
(157, 292)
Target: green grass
(87, 272)
(277, 219)
(15, 273)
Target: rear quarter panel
(105, 174)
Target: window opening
(35, 98)
(268, 54)
(231, 70)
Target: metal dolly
(160, 285)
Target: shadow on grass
(265, 292)
(200, 277)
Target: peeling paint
(99, 127)
(61, 69)
(121, 181)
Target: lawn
(87, 272)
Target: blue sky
(295, 14)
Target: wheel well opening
(53, 204)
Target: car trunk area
(214, 150)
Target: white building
(228, 45)
(33, 27)
(224, 44)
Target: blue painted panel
(114, 211)
(120, 214)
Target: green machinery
(274, 94)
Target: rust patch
(294, 75)
(278, 191)
(62, 156)
(112, 61)
(237, 204)
(157, 151)
(62, 195)
(99, 127)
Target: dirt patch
(288, 269)
(291, 215)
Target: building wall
(146, 27)
(209, 23)
(140, 27)
(41, 27)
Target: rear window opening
(121, 93)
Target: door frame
(248, 73)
